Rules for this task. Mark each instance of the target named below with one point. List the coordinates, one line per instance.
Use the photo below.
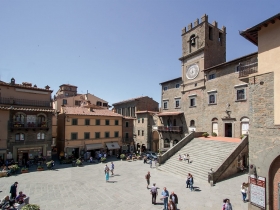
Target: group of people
(186, 157)
(14, 200)
(173, 198)
(107, 169)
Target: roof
(162, 114)
(229, 62)
(129, 118)
(142, 112)
(67, 85)
(86, 111)
(172, 80)
(251, 34)
(26, 109)
(129, 100)
(25, 86)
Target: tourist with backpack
(154, 193)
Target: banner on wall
(257, 191)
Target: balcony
(171, 129)
(24, 102)
(250, 67)
(13, 125)
(127, 140)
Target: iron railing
(24, 102)
(176, 129)
(26, 125)
(248, 67)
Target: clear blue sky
(117, 49)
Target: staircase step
(204, 154)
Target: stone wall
(264, 145)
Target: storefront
(113, 148)
(25, 154)
(93, 150)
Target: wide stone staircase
(204, 155)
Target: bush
(214, 134)
(78, 162)
(40, 167)
(122, 156)
(103, 159)
(242, 136)
(24, 169)
(31, 207)
(205, 135)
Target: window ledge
(192, 106)
(177, 107)
(241, 100)
(212, 104)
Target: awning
(162, 114)
(94, 146)
(113, 145)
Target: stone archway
(274, 184)
(155, 141)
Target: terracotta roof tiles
(87, 111)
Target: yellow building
(82, 129)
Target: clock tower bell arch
(203, 46)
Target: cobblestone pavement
(85, 188)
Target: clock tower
(203, 46)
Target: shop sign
(257, 191)
(49, 153)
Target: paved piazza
(85, 188)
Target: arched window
(244, 125)
(41, 120)
(19, 118)
(192, 123)
(175, 142)
(41, 136)
(215, 127)
(166, 143)
(20, 136)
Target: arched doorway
(155, 141)
(274, 184)
(175, 141)
(215, 126)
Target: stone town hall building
(209, 96)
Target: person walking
(165, 195)
(228, 205)
(191, 183)
(147, 177)
(13, 190)
(188, 180)
(174, 198)
(106, 168)
(244, 191)
(112, 168)
(107, 175)
(154, 193)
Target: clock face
(192, 71)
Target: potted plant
(205, 134)
(31, 207)
(214, 134)
(102, 160)
(40, 168)
(24, 170)
(79, 162)
(122, 156)
(242, 136)
(14, 169)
